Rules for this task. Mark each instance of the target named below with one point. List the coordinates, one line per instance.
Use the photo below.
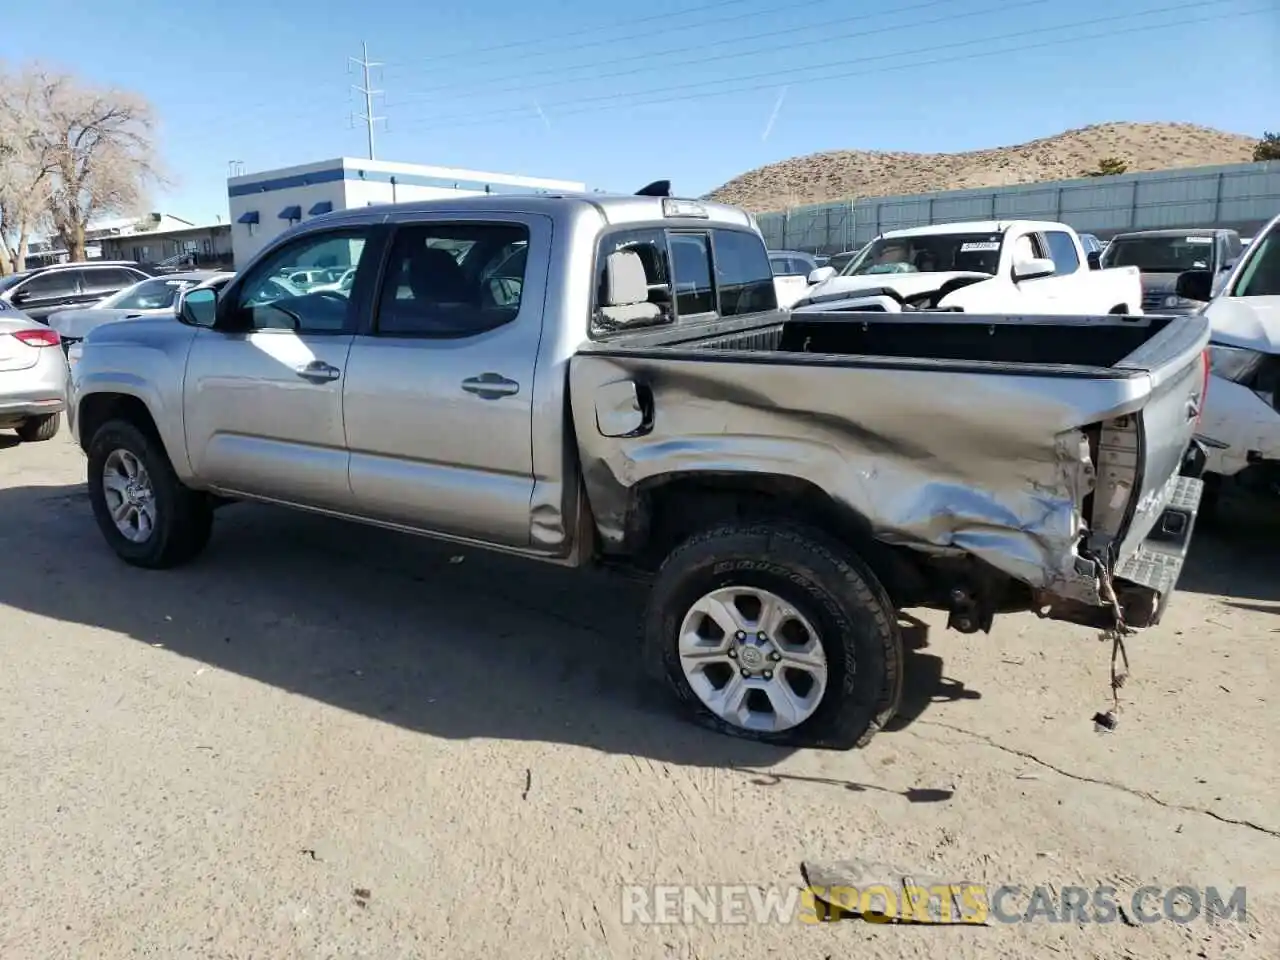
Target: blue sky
(621, 94)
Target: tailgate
(1159, 435)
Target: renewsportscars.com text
(960, 903)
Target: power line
(368, 91)
(431, 92)
(642, 34)
(679, 92)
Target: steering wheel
(331, 295)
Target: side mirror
(1033, 269)
(19, 298)
(1195, 285)
(1094, 259)
(198, 307)
(625, 282)
(821, 275)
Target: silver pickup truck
(588, 380)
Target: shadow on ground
(1235, 553)
(453, 642)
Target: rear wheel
(143, 510)
(774, 632)
(35, 429)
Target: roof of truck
(615, 208)
(973, 226)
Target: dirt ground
(328, 741)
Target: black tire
(828, 585)
(36, 429)
(184, 518)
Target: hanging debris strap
(1106, 722)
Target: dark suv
(44, 290)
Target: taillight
(39, 338)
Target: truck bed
(1036, 444)
(938, 339)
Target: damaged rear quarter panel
(988, 463)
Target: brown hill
(850, 174)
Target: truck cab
(1016, 267)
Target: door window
(50, 286)
(650, 246)
(743, 273)
(691, 262)
(99, 280)
(1062, 251)
(453, 279)
(269, 300)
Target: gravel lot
(329, 741)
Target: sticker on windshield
(977, 246)
(1199, 240)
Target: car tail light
(39, 338)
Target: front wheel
(774, 632)
(143, 510)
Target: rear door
(98, 283)
(438, 396)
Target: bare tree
(26, 181)
(95, 148)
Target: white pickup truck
(1002, 267)
(1241, 423)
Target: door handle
(317, 371)
(491, 386)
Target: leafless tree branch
(68, 153)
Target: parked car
(1161, 255)
(1008, 267)
(33, 376)
(787, 483)
(155, 296)
(791, 269)
(838, 261)
(45, 290)
(1241, 422)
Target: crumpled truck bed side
(996, 466)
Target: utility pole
(368, 91)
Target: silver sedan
(34, 377)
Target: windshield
(1162, 254)
(933, 253)
(158, 294)
(1261, 275)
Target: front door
(263, 390)
(439, 392)
(1039, 295)
(46, 293)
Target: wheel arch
(95, 409)
(669, 508)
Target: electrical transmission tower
(367, 91)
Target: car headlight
(1233, 363)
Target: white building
(263, 205)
